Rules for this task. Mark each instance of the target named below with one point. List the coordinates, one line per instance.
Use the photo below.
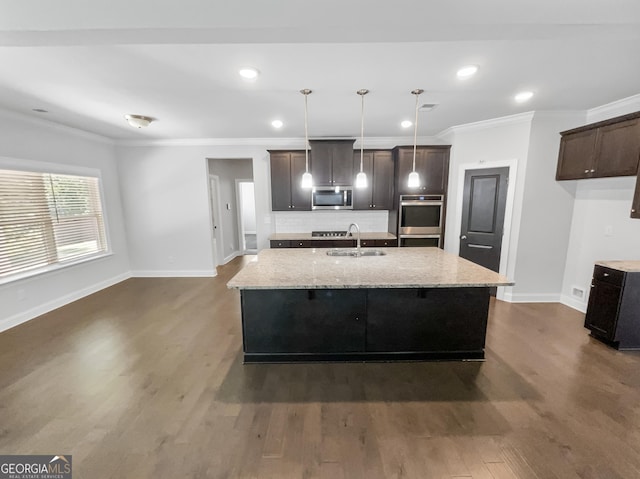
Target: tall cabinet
(287, 194)
(378, 166)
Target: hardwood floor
(144, 379)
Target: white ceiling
(90, 63)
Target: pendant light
(307, 180)
(361, 177)
(414, 178)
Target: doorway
(216, 216)
(484, 202)
(247, 216)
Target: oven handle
(420, 203)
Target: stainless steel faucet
(358, 249)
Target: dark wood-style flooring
(145, 380)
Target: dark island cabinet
(432, 164)
(286, 321)
(604, 149)
(332, 162)
(287, 193)
(613, 312)
(378, 166)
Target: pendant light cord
(362, 130)
(306, 134)
(415, 134)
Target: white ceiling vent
(427, 106)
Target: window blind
(48, 218)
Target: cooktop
(328, 233)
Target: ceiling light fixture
(307, 180)
(249, 73)
(406, 124)
(414, 179)
(138, 121)
(467, 72)
(361, 177)
(277, 124)
(523, 96)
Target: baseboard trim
(532, 298)
(173, 274)
(230, 257)
(44, 308)
(573, 303)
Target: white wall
(29, 139)
(228, 171)
(167, 213)
(494, 143)
(601, 226)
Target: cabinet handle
(374, 206)
(586, 171)
(606, 274)
(593, 171)
(633, 210)
(293, 206)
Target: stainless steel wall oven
(420, 220)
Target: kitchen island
(409, 304)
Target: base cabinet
(285, 325)
(613, 312)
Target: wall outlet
(577, 292)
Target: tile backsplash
(307, 221)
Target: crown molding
(275, 143)
(486, 124)
(54, 126)
(616, 108)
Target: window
(48, 219)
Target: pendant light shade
(307, 180)
(361, 177)
(414, 178)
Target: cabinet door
(362, 197)
(321, 163)
(341, 165)
(433, 167)
(635, 206)
(577, 155)
(602, 311)
(404, 158)
(382, 181)
(304, 321)
(280, 181)
(300, 197)
(618, 149)
(280, 244)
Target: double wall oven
(420, 220)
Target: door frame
(241, 231)
(216, 235)
(506, 268)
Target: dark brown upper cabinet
(604, 149)
(635, 206)
(332, 162)
(287, 168)
(432, 164)
(378, 195)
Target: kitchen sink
(354, 252)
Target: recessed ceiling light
(523, 96)
(406, 124)
(249, 73)
(467, 71)
(40, 110)
(277, 123)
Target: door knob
(463, 237)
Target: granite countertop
(307, 236)
(628, 266)
(312, 268)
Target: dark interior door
(484, 200)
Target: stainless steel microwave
(332, 198)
